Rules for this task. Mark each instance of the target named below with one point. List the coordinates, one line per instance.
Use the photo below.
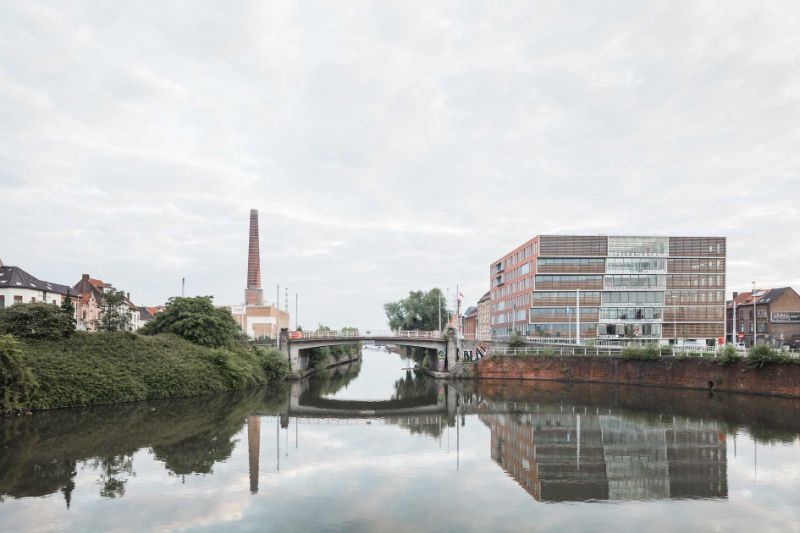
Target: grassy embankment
(103, 368)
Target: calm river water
(374, 447)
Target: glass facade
(630, 286)
(635, 265)
(637, 246)
(634, 281)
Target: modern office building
(666, 289)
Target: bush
(196, 320)
(516, 341)
(276, 368)
(16, 380)
(36, 321)
(729, 356)
(762, 355)
(650, 352)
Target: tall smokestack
(253, 295)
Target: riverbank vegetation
(320, 359)
(192, 350)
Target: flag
(460, 296)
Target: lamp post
(577, 317)
(755, 319)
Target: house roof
(485, 298)
(15, 277)
(762, 296)
(470, 312)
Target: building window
(17, 299)
(2, 301)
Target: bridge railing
(403, 334)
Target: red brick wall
(778, 380)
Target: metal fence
(368, 334)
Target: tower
(253, 295)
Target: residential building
(17, 286)
(484, 304)
(256, 318)
(664, 289)
(469, 323)
(777, 314)
(89, 294)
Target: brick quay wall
(773, 380)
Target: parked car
(740, 347)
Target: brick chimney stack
(253, 295)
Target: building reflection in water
(253, 449)
(558, 456)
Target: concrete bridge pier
(452, 348)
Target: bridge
(293, 344)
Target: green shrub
(16, 380)
(729, 356)
(426, 362)
(650, 352)
(276, 368)
(516, 341)
(762, 355)
(196, 320)
(36, 321)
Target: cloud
(426, 139)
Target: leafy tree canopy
(36, 321)
(115, 315)
(420, 310)
(196, 320)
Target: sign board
(295, 334)
(720, 340)
(740, 336)
(786, 316)
(442, 355)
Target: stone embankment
(708, 374)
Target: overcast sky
(388, 147)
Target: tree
(35, 321)
(114, 314)
(196, 320)
(68, 308)
(420, 310)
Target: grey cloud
(426, 139)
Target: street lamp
(755, 319)
(577, 317)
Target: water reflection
(559, 443)
(558, 456)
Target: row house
(17, 286)
(776, 312)
(90, 296)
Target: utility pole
(277, 298)
(577, 317)
(439, 308)
(755, 320)
(295, 310)
(733, 323)
(286, 302)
